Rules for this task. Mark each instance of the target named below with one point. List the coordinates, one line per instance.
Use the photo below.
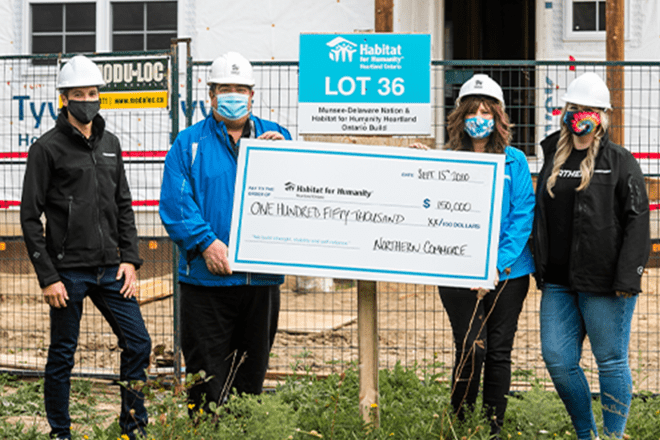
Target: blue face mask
(232, 106)
(478, 127)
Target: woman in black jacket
(591, 243)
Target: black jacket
(80, 185)
(611, 243)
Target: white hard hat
(231, 68)
(80, 71)
(589, 90)
(481, 84)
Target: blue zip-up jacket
(197, 197)
(517, 217)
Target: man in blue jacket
(228, 319)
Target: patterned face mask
(581, 123)
(478, 127)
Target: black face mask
(84, 111)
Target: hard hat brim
(64, 85)
(585, 103)
(230, 80)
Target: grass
(414, 404)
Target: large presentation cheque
(365, 212)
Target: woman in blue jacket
(479, 124)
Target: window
(140, 26)
(63, 27)
(588, 15)
(585, 20)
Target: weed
(414, 404)
(26, 398)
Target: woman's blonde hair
(499, 138)
(565, 147)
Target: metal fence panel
(29, 103)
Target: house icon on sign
(341, 49)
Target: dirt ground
(318, 330)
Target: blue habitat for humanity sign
(365, 83)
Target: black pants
(489, 346)
(217, 322)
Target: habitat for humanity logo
(341, 50)
(318, 192)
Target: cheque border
(361, 272)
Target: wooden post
(367, 297)
(384, 17)
(615, 49)
(368, 351)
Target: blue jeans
(126, 322)
(566, 318)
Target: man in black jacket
(75, 177)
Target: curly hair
(565, 147)
(499, 138)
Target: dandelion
(86, 437)
(374, 405)
(519, 433)
(201, 410)
(191, 406)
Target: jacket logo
(568, 174)
(109, 154)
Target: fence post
(615, 48)
(174, 111)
